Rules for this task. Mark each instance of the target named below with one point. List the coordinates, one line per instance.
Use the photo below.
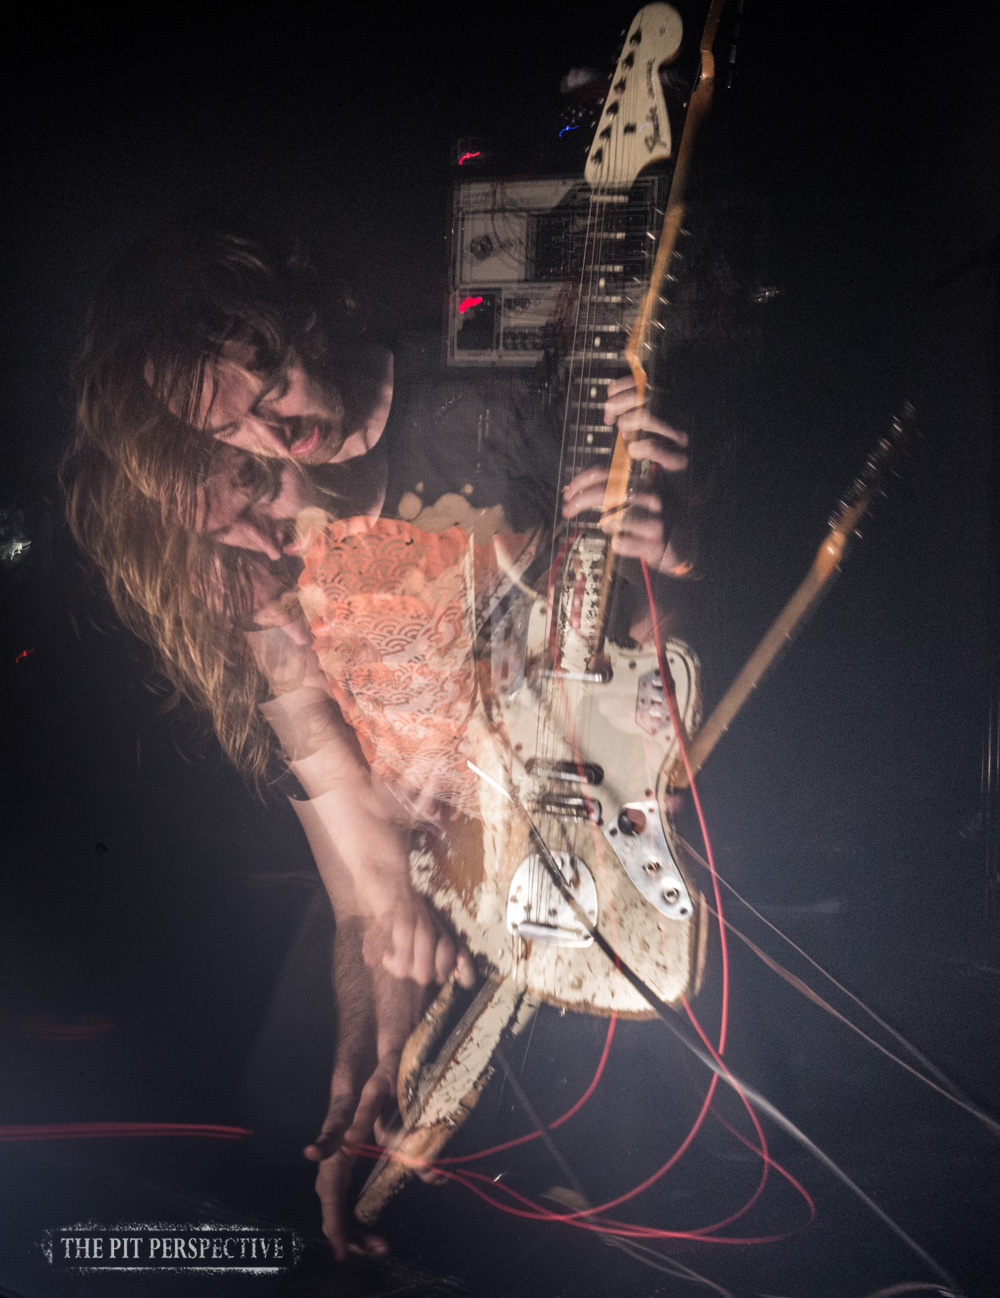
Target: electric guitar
(569, 836)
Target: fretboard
(615, 258)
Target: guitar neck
(640, 348)
(828, 559)
(789, 621)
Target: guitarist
(223, 421)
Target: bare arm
(387, 946)
(376, 1013)
(364, 850)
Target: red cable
(533, 1211)
(671, 696)
(551, 1126)
(102, 1130)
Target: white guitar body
(581, 762)
(588, 761)
(578, 737)
(571, 741)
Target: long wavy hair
(132, 472)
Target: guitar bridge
(538, 910)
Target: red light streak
(24, 652)
(103, 1130)
(466, 156)
(49, 1027)
(469, 301)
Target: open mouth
(306, 445)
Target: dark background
(148, 902)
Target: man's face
(294, 417)
(252, 506)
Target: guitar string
(601, 253)
(569, 450)
(664, 1013)
(598, 250)
(599, 214)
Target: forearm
(353, 839)
(376, 1014)
(354, 996)
(361, 851)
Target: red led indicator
(24, 652)
(469, 301)
(466, 156)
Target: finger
(375, 1094)
(637, 547)
(645, 534)
(588, 478)
(640, 506)
(428, 1173)
(445, 958)
(641, 419)
(369, 1245)
(673, 458)
(332, 1186)
(624, 384)
(398, 959)
(634, 524)
(431, 1176)
(622, 395)
(330, 1139)
(323, 1147)
(465, 970)
(332, 1183)
(424, 946)
(589, 499)
(634, 530)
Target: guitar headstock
(866, 486)
(634, 127)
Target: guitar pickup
(552, 934)
(598, 672)
(571, 772)
(573, 808)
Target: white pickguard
(573, 721)
(560, 719)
